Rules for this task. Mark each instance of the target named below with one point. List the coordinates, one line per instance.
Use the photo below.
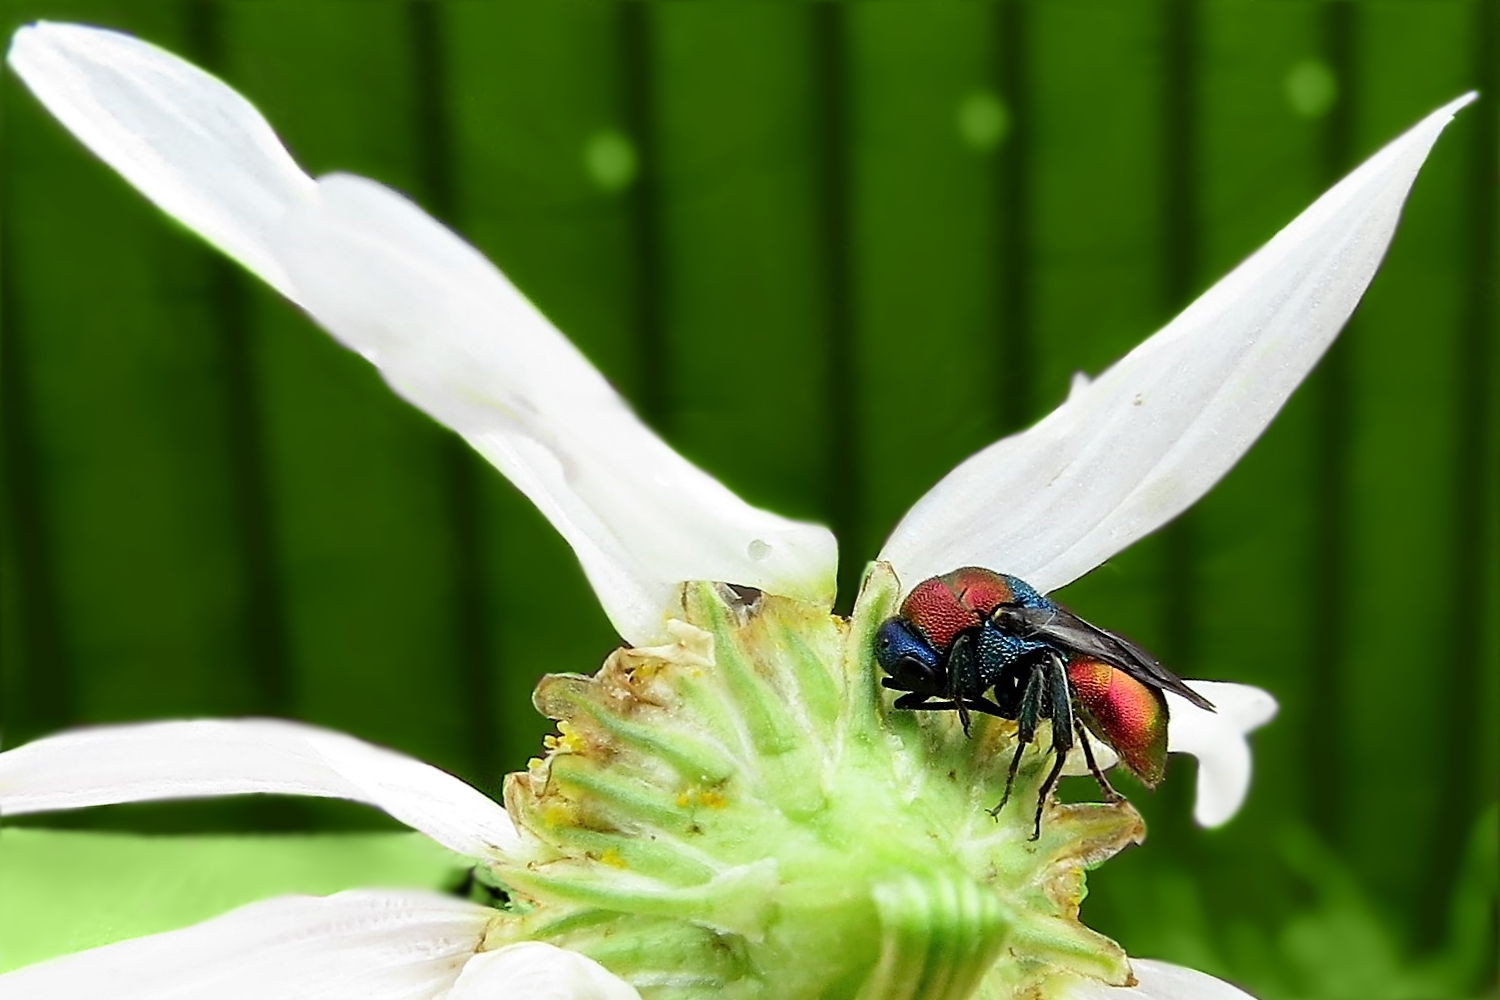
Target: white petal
(1132, 449)
(536, 971)
(360, 945)
(447, 330)
(193, 146)
(1217, 739)
(1158, 981)
(454, 337)
(179, 760)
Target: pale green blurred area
(829, 251)
(63, 891)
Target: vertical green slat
(128, 424)
(361, 480)
(547, 163)
(843, 488)
(1331, 388)
(475, 613)
(1096, 181)
(1095, 177)
(1479, 443)
(255, 534)
(1214, 207)
(635, 75)
(35, 682)
(1405, 469)
(1016, 336)
(1180, 114)
(1260, 164)
(1474, 778)
(748, 306)
(924, 212)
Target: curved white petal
(179, 760)
(359, 945)
(454, 337)
(1158, 981)
(1217, 739)
(536, 971)
(193, 146)
(1135, 447)
(447, 330)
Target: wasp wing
(1060, 626)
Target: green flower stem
(741, 811)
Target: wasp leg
(916, 701)
(987, 707)
(1110, 795)
(960, 664)
(1062, 735)
(1026, 719)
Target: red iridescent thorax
(1128, 715)
(944, 606)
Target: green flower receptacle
(741, 811)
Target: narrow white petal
(447, 330)
(193, 146)
(1217, 739)
(455, 338)
(1158, 981)
(536, 971)
(180, 760)
(1135, 447)
(360, 945)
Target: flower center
(741, 811)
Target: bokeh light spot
(609, 157)
(1311, 88)
(983, 120)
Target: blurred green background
(829, 251)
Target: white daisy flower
(730, 805)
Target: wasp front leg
(916, 701)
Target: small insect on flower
(978, 641)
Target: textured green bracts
(739, 812)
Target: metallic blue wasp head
(907, 657)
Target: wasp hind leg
(1106, 789)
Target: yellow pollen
(567, 740)
(712, 798)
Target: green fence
(828, 250)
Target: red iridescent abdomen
(1128, 715)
